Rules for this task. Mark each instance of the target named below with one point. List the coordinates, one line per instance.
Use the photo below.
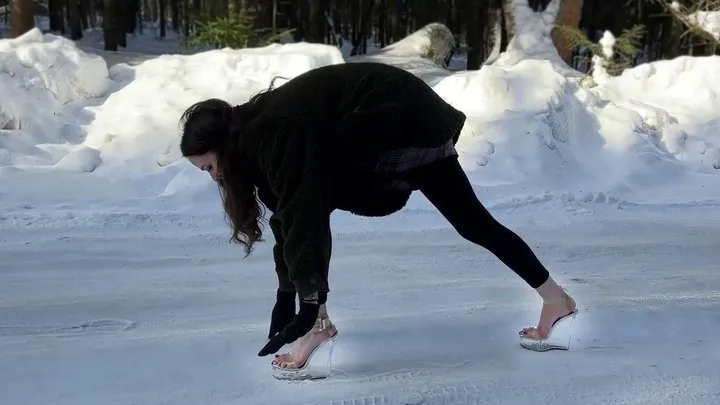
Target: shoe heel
(317, 366)
(558, 339)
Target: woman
(358, 137)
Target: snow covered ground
(145, 314)
(118, 286)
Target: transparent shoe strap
(558, 339)
(318, 364)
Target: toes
(285, 361)
(281, 359)
(536, 334)
(526, 331)
(531, 332)
(286, 364)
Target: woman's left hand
(302, 323)
(283, 312)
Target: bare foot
(305, 345)
(551, 312)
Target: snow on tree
(699, 17)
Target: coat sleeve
(281, 268)
(290, 162)
(267, 198)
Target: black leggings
(446, 186)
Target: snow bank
(531, 125)
(682, 85)
(678, 101)
(39, 74)
(119, 137)
(139, 122)
(433, 42)
(424, 53)
(531, 128)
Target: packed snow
(136, 297)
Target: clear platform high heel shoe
(557, 339)
(319, 361)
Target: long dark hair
(214, 125)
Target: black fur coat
(339, 137)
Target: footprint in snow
(486, 148)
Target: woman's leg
(323, 329)
(301, 348)
(446, 186)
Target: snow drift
(433, 42)
(528, 123)
(531, 129)
(140, 121)
(424, 53)
(39, 75)
(531, 123)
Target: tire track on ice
(85, 327)
(655, 388)
(369, 400)
(393, 377)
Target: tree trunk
(337, 25)
(382, 24)
(346, 24)
(110, 25)
(496, 35)
(175, 15)
(154, 10)
(84, 17)
(569, 14)
(454, 22)
(74, 20)
(424, 12)
(401, 21)
(302, 20)
(162, 20)
(360, 42)
(131, 15)
(508, 17)
(55, 9)
(316, 22)
(474, 24)
(121, 10)
(23, 17)
(90, 10)
(186, 14)
(354, 20)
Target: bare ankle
(552, 294)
